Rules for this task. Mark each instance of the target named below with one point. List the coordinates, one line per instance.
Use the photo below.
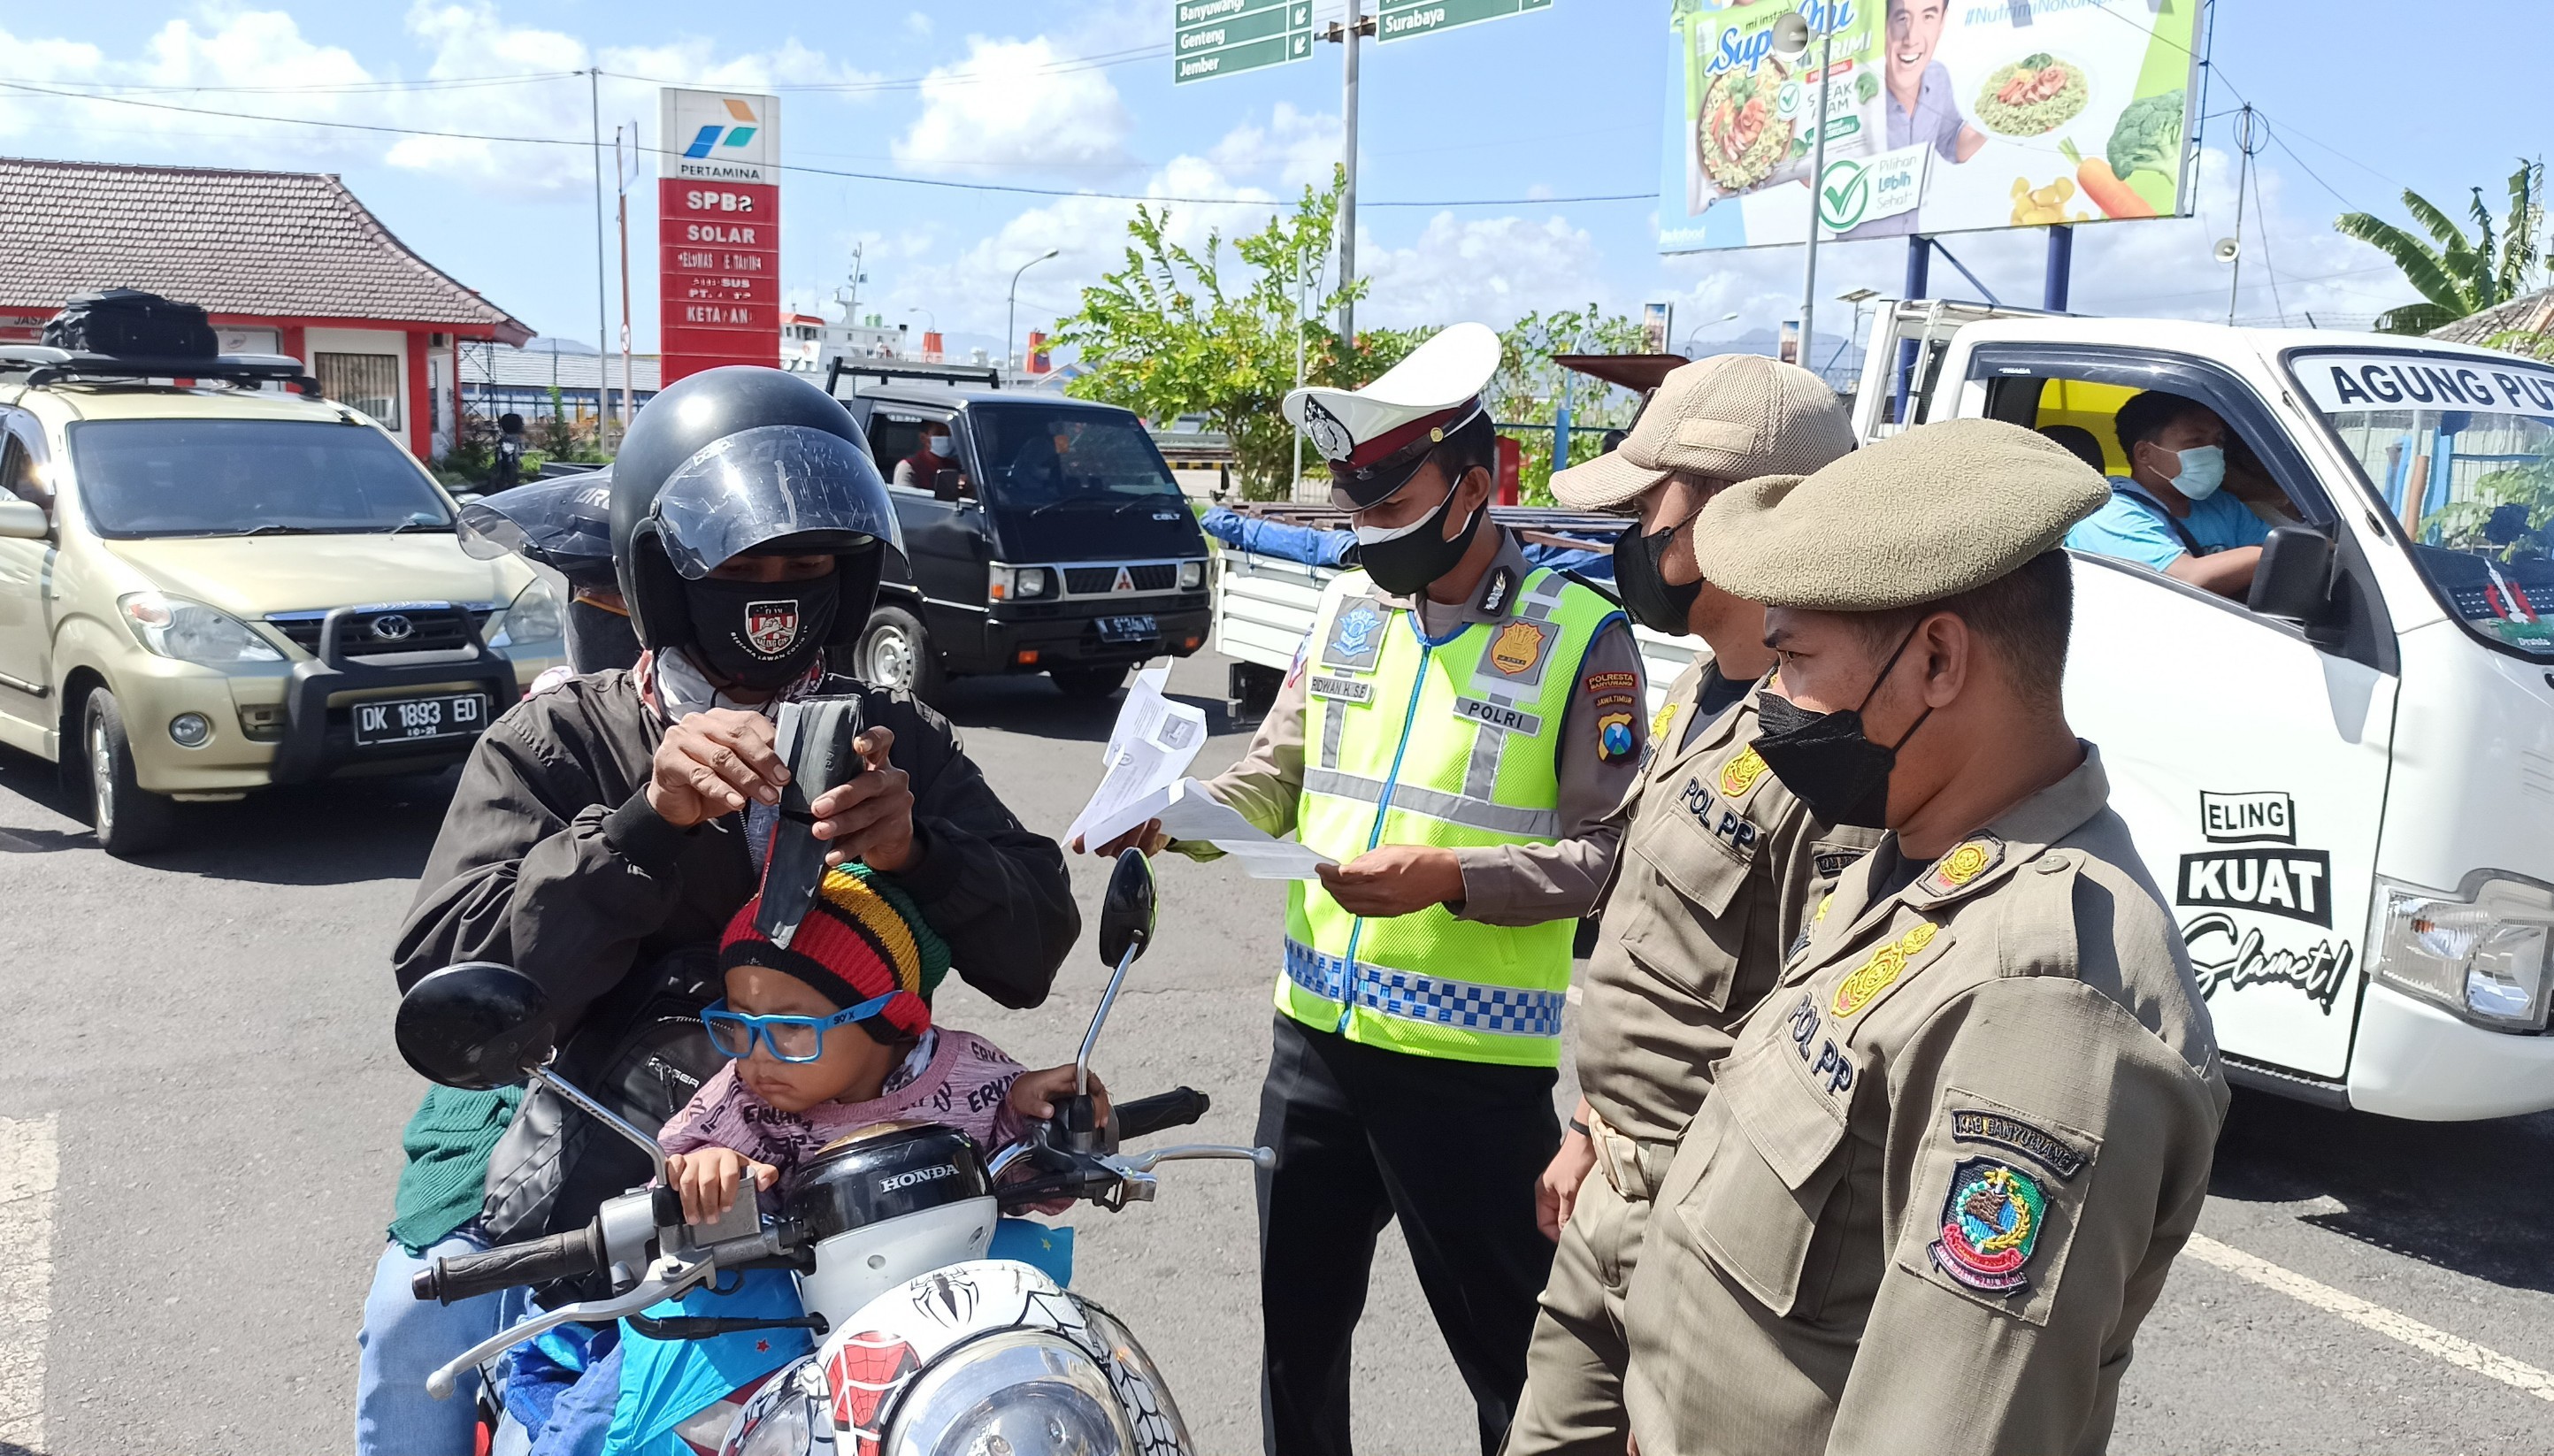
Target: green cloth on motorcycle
(447, 1144)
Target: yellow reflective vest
(1455, 743)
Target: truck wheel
(1088, 683)
(896, 653)
(130, 819)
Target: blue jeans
(403, 1339)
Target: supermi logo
(734, 136)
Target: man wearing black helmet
(604, 832)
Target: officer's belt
(1625, 1162)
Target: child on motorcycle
(829, 1034)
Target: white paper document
(1188, 813)
(1152, 746)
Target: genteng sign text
(718, 230)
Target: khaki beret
(1926, 514)
(1731, 418)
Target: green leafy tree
(2457, 274)
(1528, 388)
(1177, 331)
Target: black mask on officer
(1404, 562)
(1639, 579)
(761, 635)
(1824, 759)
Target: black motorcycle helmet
(737, 460)
(564, 524)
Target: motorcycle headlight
(534, 617)
(1021, 1390)
(1140, 1387)
(2483, 956)
(192, 631)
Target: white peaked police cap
(1374, 438)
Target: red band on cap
(1400, 437)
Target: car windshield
(237, 476)
(2460, 450)
(1038, 457)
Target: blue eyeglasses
(794, 1038)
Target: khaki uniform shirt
(1719, 870)
(1941, 1177)
(1507, 884)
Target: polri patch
(1960, 868)
(1882, 970)
(2004, 1130)
(1519, 646)
(1344, 689)
(1498, 716)
(1991, 1221)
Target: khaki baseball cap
(1732, 418)
(1926, 514)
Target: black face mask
(1641, 580)
(761, 635)
(1824, 759)
(598, 639)
(1406, 564)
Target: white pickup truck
(2345, 786)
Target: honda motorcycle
(925, 1346)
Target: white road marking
(2462, 1353)
(29, 1168)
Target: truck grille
(1097, 581)
(384, 630)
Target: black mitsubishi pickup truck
(1044, 534)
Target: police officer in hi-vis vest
(1455, 733)
(1719, 869)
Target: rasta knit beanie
(861, 937)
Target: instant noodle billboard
(1942, 116)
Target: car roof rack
(883, 370)
(43, 365)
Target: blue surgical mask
(941, 445)
(2202, 471)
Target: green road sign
(1221, 37)
(1401, 19)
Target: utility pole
(1347, 34)
(602, 318)
(622, 180)
(2245, 145)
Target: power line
(867, 176)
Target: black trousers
(1365, 1136)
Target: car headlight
(2482, 956)
(532, 616)
(1019, 583)
(1021, 1390)
(1191, 575)
(192, 632)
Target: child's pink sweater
(965, 1084)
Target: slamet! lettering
(2224, 957)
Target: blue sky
(1558, 104)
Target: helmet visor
(761, 486)
(565, 526)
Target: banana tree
(2457, 274)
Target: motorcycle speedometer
(1024, 1391)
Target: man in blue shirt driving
(2167, 514)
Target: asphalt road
(201, 1044)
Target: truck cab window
(912, 450)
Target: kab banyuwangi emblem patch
(772, 627)
(1991, 1222)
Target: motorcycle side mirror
(476, 1026)
(1128, 910)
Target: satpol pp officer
(1455, 731)
(1941, 1176)
(1719, 869)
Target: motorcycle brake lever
(1142, 1162)
(671, 1278)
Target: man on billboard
(1916, 95)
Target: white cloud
(1489, 269)
(460, 40)
(1008, 104)
(918, 23)
(1295, 148)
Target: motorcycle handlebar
(571, 1255)
(1163, 1111)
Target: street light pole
(602, 314)
(1790, 46)
(1348, 196)
(1011, 326)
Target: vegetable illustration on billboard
(1941, 115)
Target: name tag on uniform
(1346, 688)
(1498, 716)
